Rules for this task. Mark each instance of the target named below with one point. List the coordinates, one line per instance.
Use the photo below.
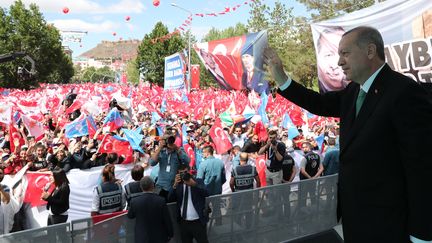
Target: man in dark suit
(190, 194)
(153, 222)
(253, 79)
(385, 173)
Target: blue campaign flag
(288, 124)
(109, 88)
(160, 130)
(163, 105)
(184, 134)
(114, 119)
(75, 129)
(134, 139)
(262, 108)
(320, 141)
(16, 116)
(184, 97)
(309, 115)
(155, 117)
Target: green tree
(215, 34)
(93, 75)
(132, 72)
(322, 10)
(151, 55)
(25, 30)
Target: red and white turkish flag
(16, 138)
(112, 144)
(76, 105)
(34, 127)
(191, 153)
(195, 76)
(261, 166)
(36, 182)
(220, 138)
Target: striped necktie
(360, 98)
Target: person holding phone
(58, 199)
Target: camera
(170, 140)
(185, 176)
(273, 142)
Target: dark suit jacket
(385, 172)
(153, 222)
(198, 195)
(58, 201)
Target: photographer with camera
(190, 194)
(275, 152)
(169, 156)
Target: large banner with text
(406, 27)
(174, 72)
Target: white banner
(74, 37)
(82, 183)
(406, 27)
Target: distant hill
(115, 50)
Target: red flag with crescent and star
(220, 138)
(16, 138)
(115, 144)
(191, 153)
(195, 76)
(261, 166)
(37, 182)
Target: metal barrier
(275, 213)
(270, 214)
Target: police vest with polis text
(110, 197)
(312, 164)
(244, 177)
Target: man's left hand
(190, 182)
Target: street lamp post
(189, 47)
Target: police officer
(310, 168)
(242, 178)
(133, 189)
(109, 196)
(243, 175)
(288, 169)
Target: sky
(101, 18)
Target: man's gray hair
(368, 35)
(147, 183)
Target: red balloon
(114, 33)
(65, 10)
(127, 18)
(156, 3)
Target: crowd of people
(161, 154)
(177, 149)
